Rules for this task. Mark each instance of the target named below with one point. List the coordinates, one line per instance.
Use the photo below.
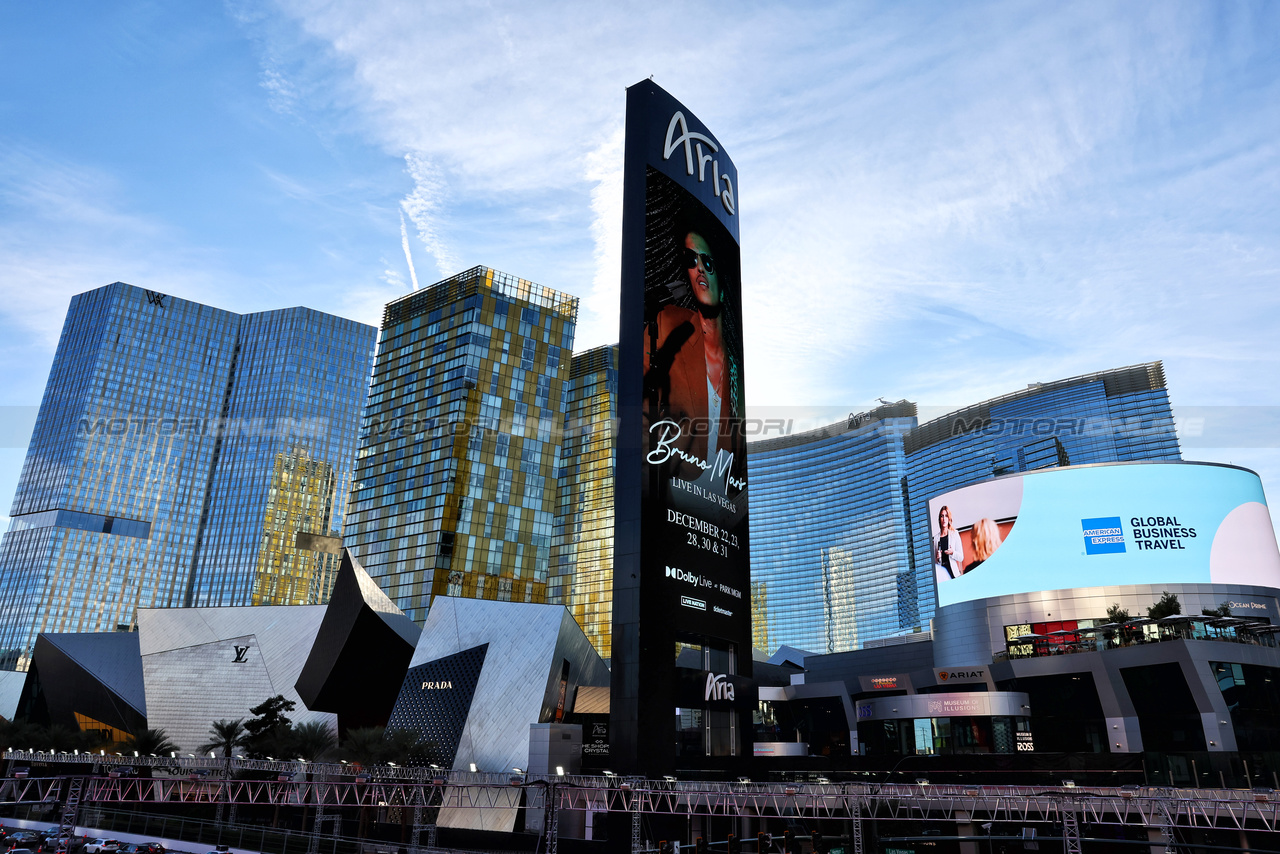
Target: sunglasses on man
(691, 259)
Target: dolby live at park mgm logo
(1103, 536)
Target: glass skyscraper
(582, 552)
(1119, 415)
(841, 550)
(828, 536)
(170, 441)
(455, 487)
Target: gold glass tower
(582, 555)
(298, 560)
(455, 488)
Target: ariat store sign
(961, 675)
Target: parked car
(141, 848)
(23, 851)
(101, 846)
(24, 839)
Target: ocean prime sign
(681, 561)
(1103, 525)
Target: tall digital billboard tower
(681, 685)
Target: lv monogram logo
(241, 651)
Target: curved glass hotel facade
(841, 550)
(829, 542)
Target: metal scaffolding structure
(328, 789)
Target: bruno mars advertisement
(682, 565)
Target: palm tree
(225, 737)
(313, 740)
(150, 742)
(20, 735)
(62, 739)
(407, 746)
(364, 745)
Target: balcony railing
(1140, 632)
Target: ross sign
(681, 560)
(1100, 526)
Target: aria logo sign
(692, 143)
(1103, 536)
(718, 687)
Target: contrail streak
(408, 256)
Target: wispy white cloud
(425, 205)
(937, 201)
(63, 233)
(599, 309)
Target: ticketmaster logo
(1103, 536)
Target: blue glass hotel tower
(829, 541)
(841, 550)
(1120, 415)
(182, 456)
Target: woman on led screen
(986, 539)
(948, 554)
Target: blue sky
(939, 201)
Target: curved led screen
(1096, 526)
